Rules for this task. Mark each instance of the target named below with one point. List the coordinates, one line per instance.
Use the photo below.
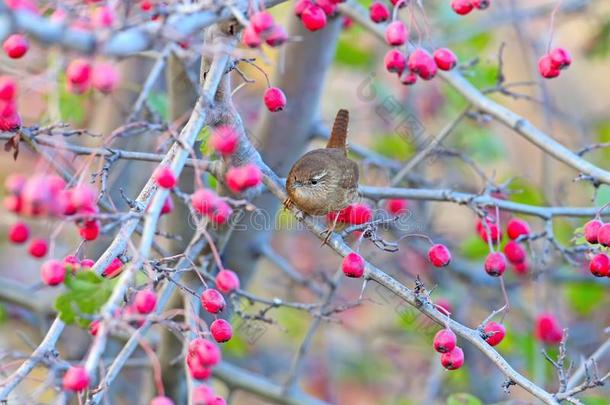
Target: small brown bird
(325, 180)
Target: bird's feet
(289, 205)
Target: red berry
(591, 229)
(494, 230)
(202, 395)
(90, 230)
(408, 78)
(221, 213)
(212, 301)
(560, 58)
(241, 178)
(114, 268)
(444, 341)
(206, 352)
(328, 6)
(379, 12)
(38, 248)
(79, 71)
(164, 177)
(396, 33)
(87, 264)
(275, 99)
(494, 333)
(105, 78)
(18, 233)
(221, 330)
(52, 272)
(16, 46)
(145, 301)
(600, 265)
(421, 63)
(94, 327)
(517, 227)
(461, 7)
(71, 263)
(168, 206)
(146, 5)
(75, 379)
(445, 59)
(197, 370)
(277, 36)
(313, 17)
(396, 206)
(395, 61)
(12, 203)
(83, 197)
(353, 265)
(359, 213)
(453, 360)
(204, 201)
(547, 329)
(261, 21)
(546, 68)
(515, 253)
(402, 3)
(445, 305)
(161, 400)
(300, 6)
(8, 88)
(603, 235)
(227, 281)
(103, 17)
(439, 255)
(224, 140)
(251, 38)
(495, 264)
(11, 122)
(481, 4)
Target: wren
(325, 180)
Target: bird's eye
(314, 182)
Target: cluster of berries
(10, 119)
(263, 27)
(495, 262)
(81, 75)
(551, 64)
(314, 13)
(463, 7)
(598, 233)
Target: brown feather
(338, 137)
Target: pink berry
(94, 327)
(227, 281)
(359, 213)
(591, 229)
(395, 61)
(241, 178)
(396, 33)
(204, 201)
(83, 197)
(251, 38)
(515, 253)
(206, 352)
(275, 99)
(18, 233)
(90, 230)
(421, 63)
(492, 228)
(517, 227)
(262, 21)
(444, 341)
(168, 206)
(16, 46)
(79, 71)
(445, 306)
(197, 370)
(10, 123)
(38, 248)
(145, 301)
(300, 6)
(546, 68)
(445, 59)
(103, 17)
(277, 36)
(164, 177)
(87, 264)
(396, 2)
(560, 58)
(397, 206)
(212, 301)
(379, 12)
(8, 88)
(105, 77)
(52, 272)
(481, 4)
(353, 265)
(12, 203)
(224, 140)
(313, 17)
(600, 265)
(408, 78)
(71, 263)
(202, 395)
(462, 7)
(114, 268)
(221, 214)
(547, 329)
(603, 235)
(221, 330)
(161, 400)
(494, 333)
(453, 360)
(495, 264)
(75, 379)
(328, 6)
(439, 255)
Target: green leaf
(71, 106)
(86, 294)
(393, 146)
(479, 143)
(3, 314)
(474, 248)
(594, 400)
(463, 399)
(584, 298)
(351, 52)
(599, 45)
(525, 192)
(158, 104)
(603, 195)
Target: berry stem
(552, 26)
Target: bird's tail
(338, 137)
